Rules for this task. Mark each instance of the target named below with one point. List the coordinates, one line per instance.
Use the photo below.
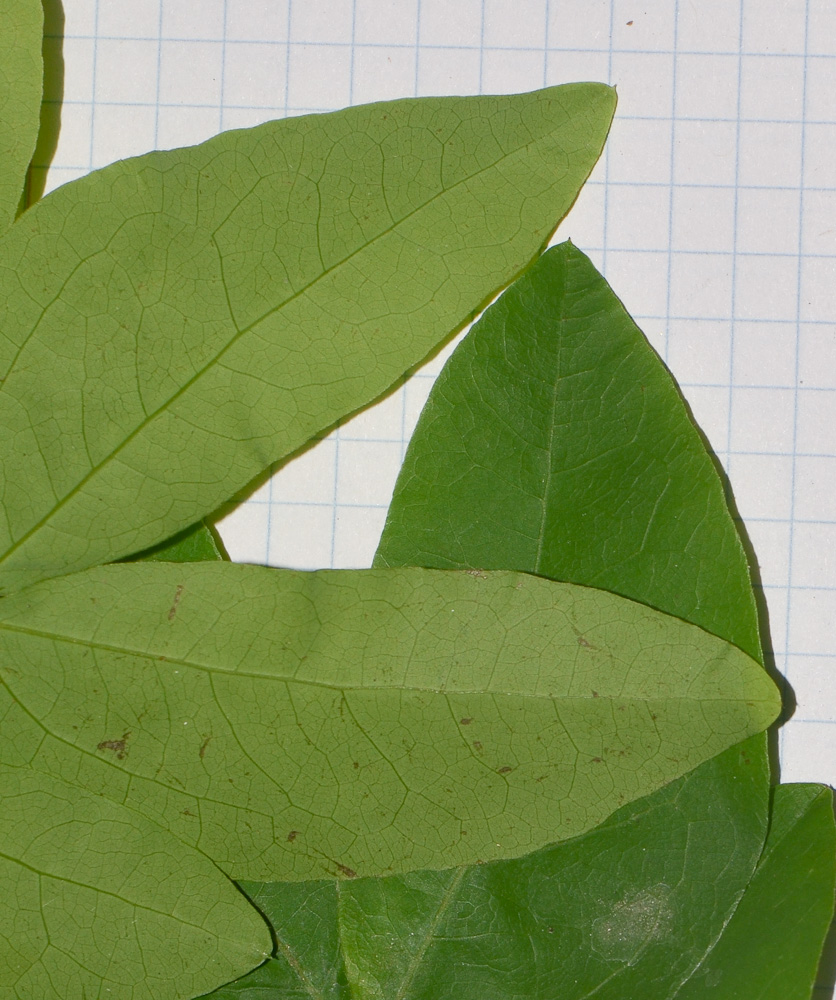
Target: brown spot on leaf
(597, 760)
(292, 835)
(504, 770)
(595, 694)
(465, 722)
(203, 746)
(583, 642)
(348, 872)
(188, 812)
(118, 747)
(477, 745)
(356, 764)
(178, 593)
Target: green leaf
(771, 947)
(96, 900)
(555, 442)
(296, 724)
(627, 910)
(200, 313)
(21, 85)
(195, 544)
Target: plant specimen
(524, 754)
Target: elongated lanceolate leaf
(21, 85)
(295, 724)
(98, 901)
(771, 947)
(172, 324)
(627, 911)
(555, 442)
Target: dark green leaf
(174, 323)
(556, 442)
(296, 724)
(195, 544)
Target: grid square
(249, 21)
(640, 280)
(762, 485)
(516, 25)
(710, 26)
(639, 151)
(707, 86)
(138, 19)
(818, 289)
(815, 498)
(808, 750)
(766, 287)
(508, 71)
(819, 231)
(383, 72)
(811, 618)
(354, 483)
(186, 126)
(78, 70)
(772, 88)
(771, 543)
(650, 28)
(701, 285)
(817, 357)
(814, 555)
(638, 219)
(569, 67)
(584, 224)
(381, 422)
(763, 421)
(301, 536)
(203, 19)
(74, 140)
(244, 532)
(774, 26)
(764, 354)
(448, 71)
(767, 220)
(386, 22)
(705, 152)
(703, 218)
(813, 680)
(699, 352)
(322, 21)
(126, 71)
(437, 27)
(819, 161)
(821, 29)
(710, 407)
(80, 18)
(357, 531)
(254, 75)
(588, 29)
(190, 73)
(770, 154)
(117, 135)
(645, 83)
(817, 421)
(319, 77)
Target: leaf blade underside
(293, 724)
(201, 313)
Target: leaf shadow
(51, 103)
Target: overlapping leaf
(172, 324)
(21, 84)
(96, 900)
(294, 724)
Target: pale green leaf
(21, 85)
(628, 910)
(556, 442)
(298, 724)
(174, 323)
(98, 901)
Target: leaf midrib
(68, 497)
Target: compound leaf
(97, 900)
(172, 324)
(21, 85)
(292, 725)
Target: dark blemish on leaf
(188, 812)
(119, 747)
(172, 611)
(595, 694)
(597, 760)
(356, 764)
(582, 642)
(477, 745)
(202, 751)
(504, 770)
(541, 778)
(348, 872)
(550, 930)
(465, 722)
(292, 836)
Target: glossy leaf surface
(295, 724)
(21, 84)
(96, 900)
(771, 947)
(556, 442)
(200, 313)
(627, 910)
